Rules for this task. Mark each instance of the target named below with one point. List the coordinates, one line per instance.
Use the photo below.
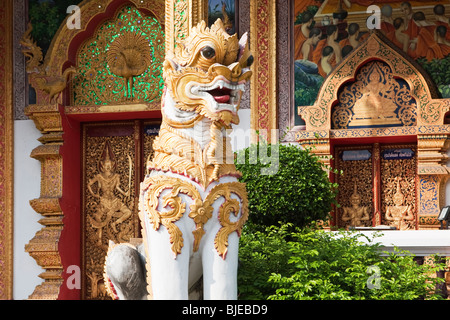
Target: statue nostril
(236, 71)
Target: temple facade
(367, 90)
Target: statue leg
(220, 275)
(169, 274)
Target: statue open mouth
(221, 95)
(225, 94)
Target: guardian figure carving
(192, 206)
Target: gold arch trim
(58, 53)
(430, 110)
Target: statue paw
(125, 268)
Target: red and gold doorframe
(57, 245)
(419, 118)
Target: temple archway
(374, 110)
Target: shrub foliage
(319, 265)
(296, 190)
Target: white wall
(240, 136)
(27, 178)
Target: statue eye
(250, 61)
(208, 52)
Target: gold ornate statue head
(398, 197)
(206, 75)
(107, 162)
(355, 198)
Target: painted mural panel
(225, 10)
(325, 31)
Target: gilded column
(263, 30)
(433, 174)
(44, 246)
(6, 149)
(181, 16)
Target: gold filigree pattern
(153, 186)
(200, 210)
(230, 206)
(121, 62)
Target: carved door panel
(377, 186)
(355, 186)
(113, 166)
(398, 164)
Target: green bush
(261, 253)
(296, 191)
(317, 265)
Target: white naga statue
(192, 207)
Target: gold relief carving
(46, 205)
(230, 206)
(181, 17)
(31, 51)
(109, 204)
(129, 56)
(153, 186)
(372, 46)
(355, 215)
(376, 98)
(98, 288)
(49, 86)
(429, 108)
(198, 11)
(200, 210)
(46, 118)
(174, 151)
(356, 207)
(121, 62)
(7, 49)
(55, 85)
(431, 154)
(398, 192)
(180, 21)
(321, 148)
(149, 138)
(44, 249)
(429, 204)
(58, 53)
(400, 215)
